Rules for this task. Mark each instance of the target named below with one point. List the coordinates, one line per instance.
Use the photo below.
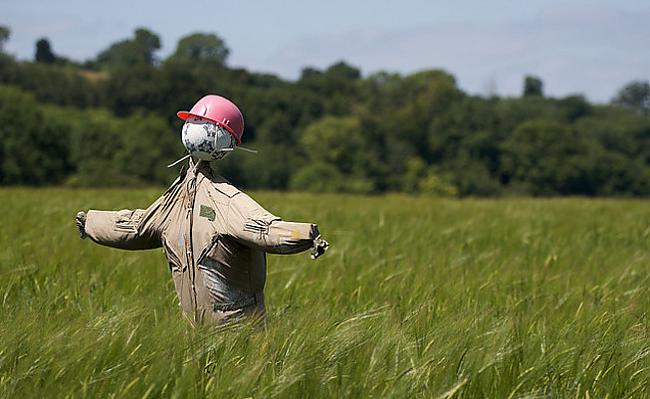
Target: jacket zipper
(190, 252)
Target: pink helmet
(219, 110)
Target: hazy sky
(588, 47)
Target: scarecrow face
(206, 140)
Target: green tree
(33, 149)
(469, 177)
(202, 47)
(44, 52)
(420, 178)
(147, 43)
(137, 51)
(337, 86)
(55, 84)
(317, 178)
(335, 141)
(134, 89)
(5, 34)
(148, 146)
(339, 142)
(270, 168)
(310, 73)
(343, 70)
(94, 141)
(470, 125)
(330, 130)
(433, 184)
(547, 158)
(574, 107)
(415, 170)
(634, 96)
(533, 87)
(425, 95)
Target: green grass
(417, 297)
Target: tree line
(110, 121)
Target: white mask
(206, 140)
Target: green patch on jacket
(207, 212)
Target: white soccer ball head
(206, 140)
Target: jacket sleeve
(254, 226)
(126, 229)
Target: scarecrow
(214, 236)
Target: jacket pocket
(175, 264)
(209, 248)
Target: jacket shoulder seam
(227, 189)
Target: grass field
(417, 297)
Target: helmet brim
(184, 115)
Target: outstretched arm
(125, 229)
(254, 226)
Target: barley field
(417, 297)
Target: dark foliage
(112, 122)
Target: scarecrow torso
(208, 265)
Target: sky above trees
(589, 47)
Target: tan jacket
(215, 238)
